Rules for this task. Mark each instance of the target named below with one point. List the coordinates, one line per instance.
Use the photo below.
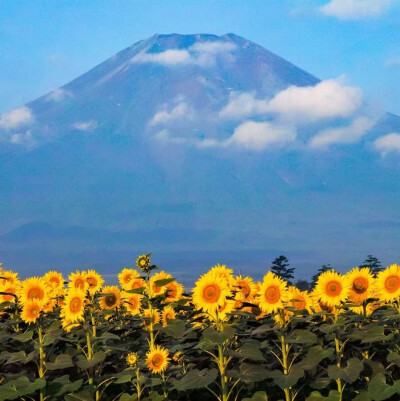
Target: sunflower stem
(285, 363)
(41, 357)
(338, 349)
(138, 385)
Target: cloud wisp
(181, 111)
(89, 125)
(388, 143)
(16, 118)
(58, 95)
(355, 9)
(342, 135)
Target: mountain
(200, 149)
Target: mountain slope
(148, 152)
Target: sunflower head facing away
(143, 263)
(210, 292)
(388, 283)
(332, 288)
(361, 283)
(111, 298)
(157, 359)
(272, 294)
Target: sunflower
(8, 288)
(74, 306)
(54, 280)
(388, 283)
(143, 263)
(158, 289)
(298, 300)
(173, 292)
(151, 316)
(126, 275)
(67, 325)
(78, 280)
(51, 304)
(272, 293)
(132, 303)
(318, 306)
(332, 288)
(225, 310)
(31, 310)
(369, 309)
(225, 272)
(210, 292)
(34, 288)
(135, 282)
(168, 313)
(361, 282)
(7, 276)
(94, 280)
(112, 299)
(157, 359)
(246, 288)
(132, 358)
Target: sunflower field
(229, 339)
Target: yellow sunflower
(132, 303)
(370, 308)
(34, 288)
(94, 280)
(78, 280)
(67, 325)
(131, 359)
(225, 272)
(224, 310)
(388, 283)
(168, 313)
(210, 292)
(319, 306)
(173, 291)
(154, 288)
(272, 293)
(361, 284)
(7, 276)
(74, 306)
(112, 299)
(298, 300)
(157, 359)
(31, 311)
(51, 304)
(126, 275)
(9, 288)
(332, 288)
(54, 280)
(151, 316)
(245, 287)
(134, 282)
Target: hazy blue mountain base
(133, 157)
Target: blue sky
(46, 44)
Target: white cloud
(16, 117)
(169, 57)
(200, 53)
(181, 110)
(90, 125)
(165, 136)
(23, 138)
(243, 105)
(327, 99)
(355, 9)
(58, 95)
(388, 143)
(254, 135)
(349, 134)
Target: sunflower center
(128, 277)
(299, 303)
(75, 305)
(211, 293)
(325, 307)
(157, 360)
(133, 303)
(55, 281)
(392, 283)
(35, 293)
(80, 283)
(136, 284)
(110, 300)
(333, 288)
(272, 294)
(171, 292)
(34, 311)
(91, 281)
(8, 298)
(244, 288)
(360, 285)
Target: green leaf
(214, 337)
(349, 374)
(97, 358)
(175, 328)
(15, 389)
(378, 390)
(196, 379)
(289, 380)
(258, 396)
(123, 379)
(302, 337)
(163, 282)
(251, 351)
(316, 396)
(62, 361)
(127, 397)
(24, 337)
(315, 355)
(252, 372)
